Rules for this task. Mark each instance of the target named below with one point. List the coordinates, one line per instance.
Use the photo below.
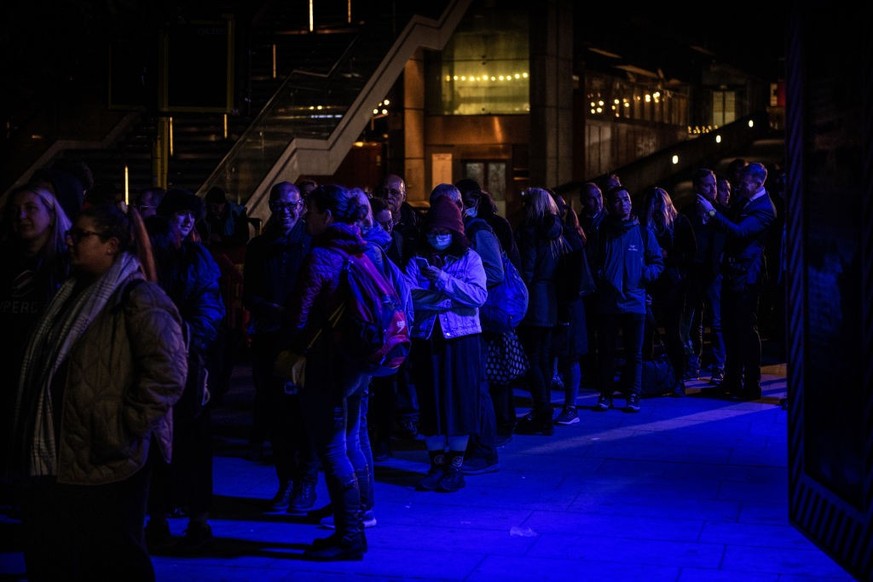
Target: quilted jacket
(123, 377)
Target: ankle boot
(536, 423)
(349, 542)
(452, 479)
(437, 467)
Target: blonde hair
(538, 202)
(659, 211)
(56, 243)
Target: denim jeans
(333, 401)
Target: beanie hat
(178, 200)
(445, 214)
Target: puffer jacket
(317, 294)
(123, 377)
(454, 298)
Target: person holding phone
(447, 280)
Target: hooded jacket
(627, 259)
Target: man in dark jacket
(273, 263)
(744, 272)
(627, 259)
(406, 219)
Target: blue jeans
(335, 412)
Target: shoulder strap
(475, 225)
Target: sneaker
(369, 520)
(479, 466)
(717, 377)
(604, 403)
(303, 497)
(568, 416)
(633, 403)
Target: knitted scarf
(65, 320)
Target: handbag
(290, 365)
(505, 360)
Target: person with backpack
(448, 287)
(333, 389)
(375, 237)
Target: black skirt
(447, 376)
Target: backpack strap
(475, 225)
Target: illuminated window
(485, 67)
(724, 107)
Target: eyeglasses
(279, 207)
(77, 234)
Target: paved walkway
(688, 489)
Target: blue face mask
(439, 242)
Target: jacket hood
(378, 236)
(346, 237)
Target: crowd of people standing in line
(132, 316)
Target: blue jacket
(454, 298)
(627, 259)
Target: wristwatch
(711, 212)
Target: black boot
(452, 479)
(348, 543)
(431, 481)
(536, 423)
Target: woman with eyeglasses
(101, 372)
(33, 263)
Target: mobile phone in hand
(421, 262)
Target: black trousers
(81, 532)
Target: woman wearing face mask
(448, 287)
